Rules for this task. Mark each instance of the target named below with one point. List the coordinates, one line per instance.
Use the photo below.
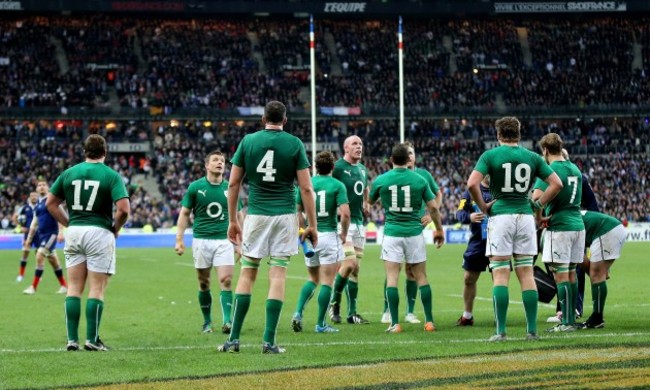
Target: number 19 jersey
(89, 190)
(270, 159)
(512, 171)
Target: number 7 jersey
(90, 190)
(565, 208)
(512, 170)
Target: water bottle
(484, 222)
(307, 245)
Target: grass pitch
(152, 323)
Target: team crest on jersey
(363, 173)
(225, 193)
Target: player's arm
(52, 203)
(234, 185)
(554, 187)
(309, 205)
(181, 225)
(301, 216)
(474, 187)
(32, 230)
(344, 212)
(366, 205)
(439, 234)
(438, 198)
(122, 211)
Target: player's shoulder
(423, 172)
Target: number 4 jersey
(89, 190)
(512, 170)
(270, 159)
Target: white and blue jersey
(48, 227)
(25, 217)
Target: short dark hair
(400, 154)
(275, 112)
(552, 142)
(95, 147)
(324, 162)
(508, 129)
(213, 153)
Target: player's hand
(543, 222)
(439, 238)
(24, 229)
(476, 217)
(343, 238)
(237, 253)
(366, 210)
(234, 233)
(488, 208)
(179, 247)
(312, 234)
(116, 232)
(60, 238)
(426, 220)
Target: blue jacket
(476, 244)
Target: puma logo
(348, 172)
(202, 192)
(556, 254)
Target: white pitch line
(490, 300)
(573, 335)
(185, 264)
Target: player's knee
(226, 281)
(204, 285)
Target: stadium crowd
(450, 64)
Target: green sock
(339, 284)
(574, 302)
(385, 300)
(94, 309)
(323, 303)
(225, 298)
(500, 298)
(242, 303)
(273, 309)
(392, 295)
(305, 295)
(411, 295)
(353, 292)
(599, 296)
(72, 314)
(205, 302)
(530, 297)
(564, 296)
(425, 296)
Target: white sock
(467, 315)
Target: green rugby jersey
(270, 159)
(426, 175)
(512, 171)
(90, 190)
(209, 203)
(402, 193)
(355, 179)
(597, 224)
(330, 194)
(564, 209)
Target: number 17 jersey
(89, 190)
(512, 170)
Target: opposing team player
(45, 230)
(331, 196)
(354, 176)
(402, 193)
(206, 198)
(512, 227)
(564, 238)
(23, 218)
(271, 159)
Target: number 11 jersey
(512, 170)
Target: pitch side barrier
(165, 238)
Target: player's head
(324, 163)
(508, 129)
(215, 162)
(275, 113)
(551, 145)
(33, 197)
(353, 147)
(400, 155)
(411, 163)
(95, 147)
(42, 187)
(565, 154)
